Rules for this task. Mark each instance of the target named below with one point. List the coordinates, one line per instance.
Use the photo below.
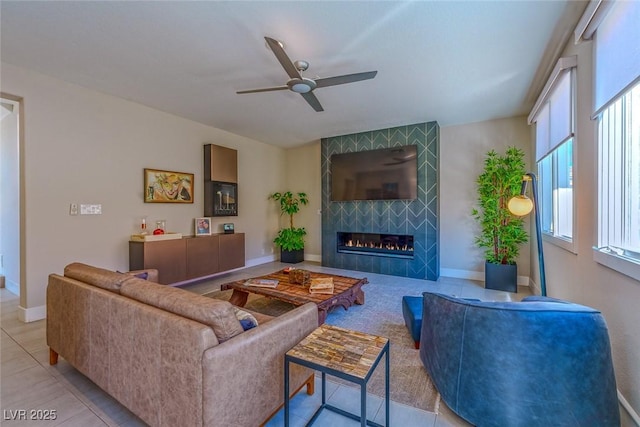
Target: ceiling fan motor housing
(302, 85)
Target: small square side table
(343, 353)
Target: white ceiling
(453, 62)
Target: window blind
(553, 112)
(616, 53)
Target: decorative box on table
(300, 277)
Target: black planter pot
(292, 257)
(501, 277)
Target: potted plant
(291, 239)
(501, 233)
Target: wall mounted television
(386, 174)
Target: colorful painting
(167, 187)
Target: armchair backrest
(538, 362)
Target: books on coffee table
(262, 283)
(322, 285)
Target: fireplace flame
(379, 245)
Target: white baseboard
(272, 258)
(462, 274)
(262, 260)
(32, 314)
(475, 275)
(12, 287)
(312, 257)
(627, 406)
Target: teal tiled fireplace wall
(418, 218)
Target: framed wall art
(203, 226)
(162, 186)
(225, 198)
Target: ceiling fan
(302, 85)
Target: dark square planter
(292, 257)
(501, 277)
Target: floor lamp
(521, 205)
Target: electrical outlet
(73, 209)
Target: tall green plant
(501, 232)
(292, 238)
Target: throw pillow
(247, 320)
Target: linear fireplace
(384, 245)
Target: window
(553, 116)
(617, 110)
(619, 176)
(555, 174)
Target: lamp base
(501, 277)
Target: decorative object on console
(143, 225)
(501, 232)
(203, 226)
(291, 239)
(161, 225)
(162, 186)
(521, 205)
(228, 228)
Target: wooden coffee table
(347, 291)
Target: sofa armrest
(244, 376)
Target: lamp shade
(520, 205)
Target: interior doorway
(11, 207)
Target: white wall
(86, 147)
(9, 201)
(463, 150)
(577, 277)
(304, 175)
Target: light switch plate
(73, 209)
(90, 209)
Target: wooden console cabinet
(188, 258)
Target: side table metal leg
(324, 388)
(363, 404)
(286, 392)
(386, 388)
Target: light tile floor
(29, 383)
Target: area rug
(380, 315)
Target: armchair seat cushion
(412, 313)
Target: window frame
(568, 244)
(564, 65)
(604, 252)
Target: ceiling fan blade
(286, 63)
(266, 89)
(347, 78)
(313, 101)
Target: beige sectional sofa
(173, 357)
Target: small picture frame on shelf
(203, 226)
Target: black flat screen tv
(387, 174)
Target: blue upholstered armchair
(539, 362)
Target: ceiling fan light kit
(302, 85)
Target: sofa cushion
(217, 314)
(100, 277)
